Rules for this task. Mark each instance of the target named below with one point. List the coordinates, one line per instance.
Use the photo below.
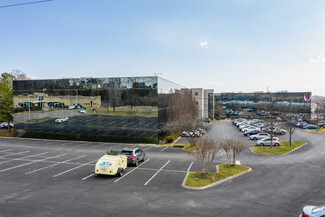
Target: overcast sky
(229, 45)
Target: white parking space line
(22, 158)
(54, 164)
(21, 165)
(131, 171)
(146, 148)
(87, 177)
(59, 174)
(97, 145)
(5, 150)
(176, 171)
(157, 173)
(189, 167)
(82, 145)
(7, 155)
(164, 149)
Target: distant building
(249, 104)
(116, 109)
(204, 98)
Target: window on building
(196, 93)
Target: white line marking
(189, 167)
(98, 145)
(88, 176)
(164, 149)
(156, 173)
(177, 171)
(82, 145)
(5, 150)
(23, 152)
(147, 148)
(74, 168)
(10, 168)
(54, 164)
(131, 171)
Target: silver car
(259, 136)
(134, 155)
(267, 141)
(313, 211)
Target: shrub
(169, 139)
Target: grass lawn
(189, 148)
(126, 111)
(321, 130)
(277, 150)
(198, 179)
(38, 120)
(5, 133)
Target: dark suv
(134, 155)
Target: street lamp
(28, 95)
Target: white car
(259, 136)
(61, 119)
(313, 211)
(82, 111)
(245, 129)
(267, 141)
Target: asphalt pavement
(55, 178)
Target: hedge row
(86, 137)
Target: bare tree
(18, 74)
(233, 148)
(206, 152)
(219, 111)
(290, 128)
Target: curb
(81, 141)
(176, 140)
(250, 148)
(295, 149)
(215, 183)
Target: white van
(112, 163)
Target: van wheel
(120, 173)
(143, 159)
(261, 144)
(255, 138)
(136, 163)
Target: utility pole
(317, 116)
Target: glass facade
(234, 103)
(121, 109)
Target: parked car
(61, 119)
(5, 126)
(267, 141)
(259, 136)
(246, 129)
(252, 132)
(82, 111)
(310, 126)
(134, 155)
(313, 211)
(112, 163)
(321, 123)
(276, 130)
(78, 106)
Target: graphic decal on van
(105, 164)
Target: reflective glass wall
(241, 103)
(97, 109)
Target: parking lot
(109, 125)
(55, 178)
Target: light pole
(28, 95)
